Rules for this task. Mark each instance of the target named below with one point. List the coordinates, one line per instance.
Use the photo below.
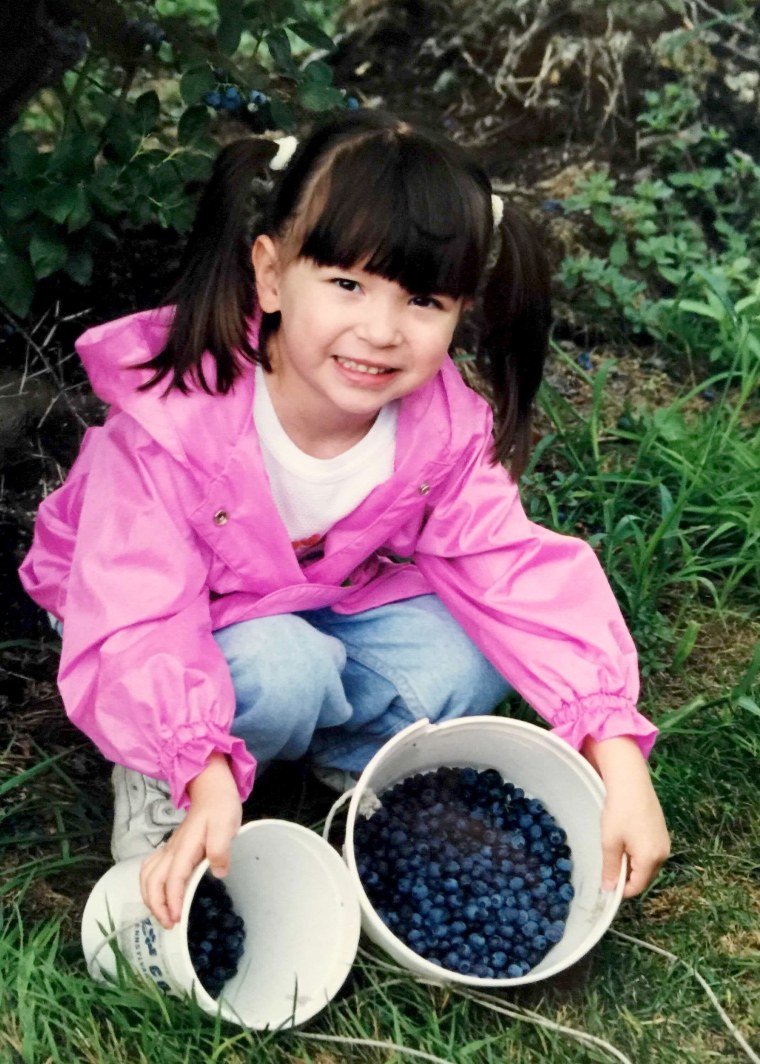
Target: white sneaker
(143, 814)
(339, 780)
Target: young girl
(294, 532)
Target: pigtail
(515, 321)
(214, 296)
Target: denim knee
(287, 681)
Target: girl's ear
(266, 267)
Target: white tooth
(350, 364)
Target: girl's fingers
(181, 869)
(218, 851)
(639, 877)
(152, 887)
(612, 855)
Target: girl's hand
(211, 824)
(632, 820)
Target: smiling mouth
(364, 367)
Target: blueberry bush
(124, 135)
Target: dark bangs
(414, 211)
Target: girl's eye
(346, 284)
(427, 301)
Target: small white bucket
(546, 768)
(302, 925)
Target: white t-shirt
(311, 494)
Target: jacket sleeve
(536, 603)
(141, 673)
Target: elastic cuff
(603, 717)
(187, 753)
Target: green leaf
(193, 124)
(279, 48)
(195, 82)
(48, 252)
(104, 189)
(745, 303)
(313, 35)
(753, 343)
(704, 310)
(318, 73)
(602, 217)
(193, 166)
(120, 137)
(79, 265)
(229, 31)
(75, 154)
(81, 212)
(23, 158)
(669, 424)
(282, 114)
(749, 704)
(685, 645)
(58, 202)
(179, 216)
(253, 13)
(619, 252)
(147, 109)
(319, 97)
(18, 201)
(16, 282)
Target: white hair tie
(497, 208)
(285, 148)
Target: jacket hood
(110, 352)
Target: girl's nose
(379, 325)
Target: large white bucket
(546, 768)
(302, 926)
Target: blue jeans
(339, 686)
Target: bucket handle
(368, 804)
(336, 806)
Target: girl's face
(349, 341)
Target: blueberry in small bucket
(215, 935)
(468, 871)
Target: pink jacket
(165, 531)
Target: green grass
(686, 504)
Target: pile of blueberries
(215, 935)
(231, 99)
(468, 871)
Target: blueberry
(215, 935)
(231, 99)
(213, 99)
(514, 971)
(555, 931)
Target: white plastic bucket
(302, 925)
(546, 768)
